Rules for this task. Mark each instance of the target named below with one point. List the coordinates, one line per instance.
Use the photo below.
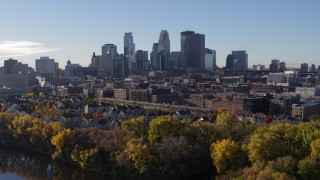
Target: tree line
(169, 148)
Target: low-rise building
(305, 110)
(138, 95)
(121, 94)
(305, 91)
(282, 104)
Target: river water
(18, 164)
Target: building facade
(305, 110)
(164, 42)
(108, 53)
(129, 51)
(210, 59)
(193, 50)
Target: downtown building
(161, 52)
(192, 51)
(129, 52)
(108, 53)
(237, 60)
(210, 59)
(47, 68)
(142, 60)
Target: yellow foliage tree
(226, 119)
(63, 142)
(315, 149)
(137, 127)
(224, 154)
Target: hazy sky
(288, 30)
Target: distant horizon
(287, 30)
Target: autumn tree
(226, 119)
(315, 149)
(139, 153)
(138, 127)
(63, 142)
(225, 155)
(165, 126)
(309, 168)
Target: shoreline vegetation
(169, 148)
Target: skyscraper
(47, 68)
(165, 42)
(237, 60)
(241, 62)
(274, 66)
(45, 65)
(175, 60)
(193, 50)
(108, 52)
(120, 66)
(210, 59)
(129, 51)
(313, 68)
(9, 66)
(153, 55)
(96, 61)
(230, 61)
(304, 68)
(141, 56)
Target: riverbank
(19, 164)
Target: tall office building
(274, 66)
(12, 66)
(71, 69)
(120, 66)
(141, 57)
(164, 41)
(193, 50)
(96, 61)
(241, 62)
(158, 57)
(45, 65)
(8, 66)
(47, 68)
(129, 51)
(108, 52)
(210, 59)
(175, 60)
(304, 68)
(237, 60)
(230, 61)
(313, 68)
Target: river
(17, 165)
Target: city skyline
(286, 30)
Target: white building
(282, 79)
(210, 59)
(258, 67)
(306, 91)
